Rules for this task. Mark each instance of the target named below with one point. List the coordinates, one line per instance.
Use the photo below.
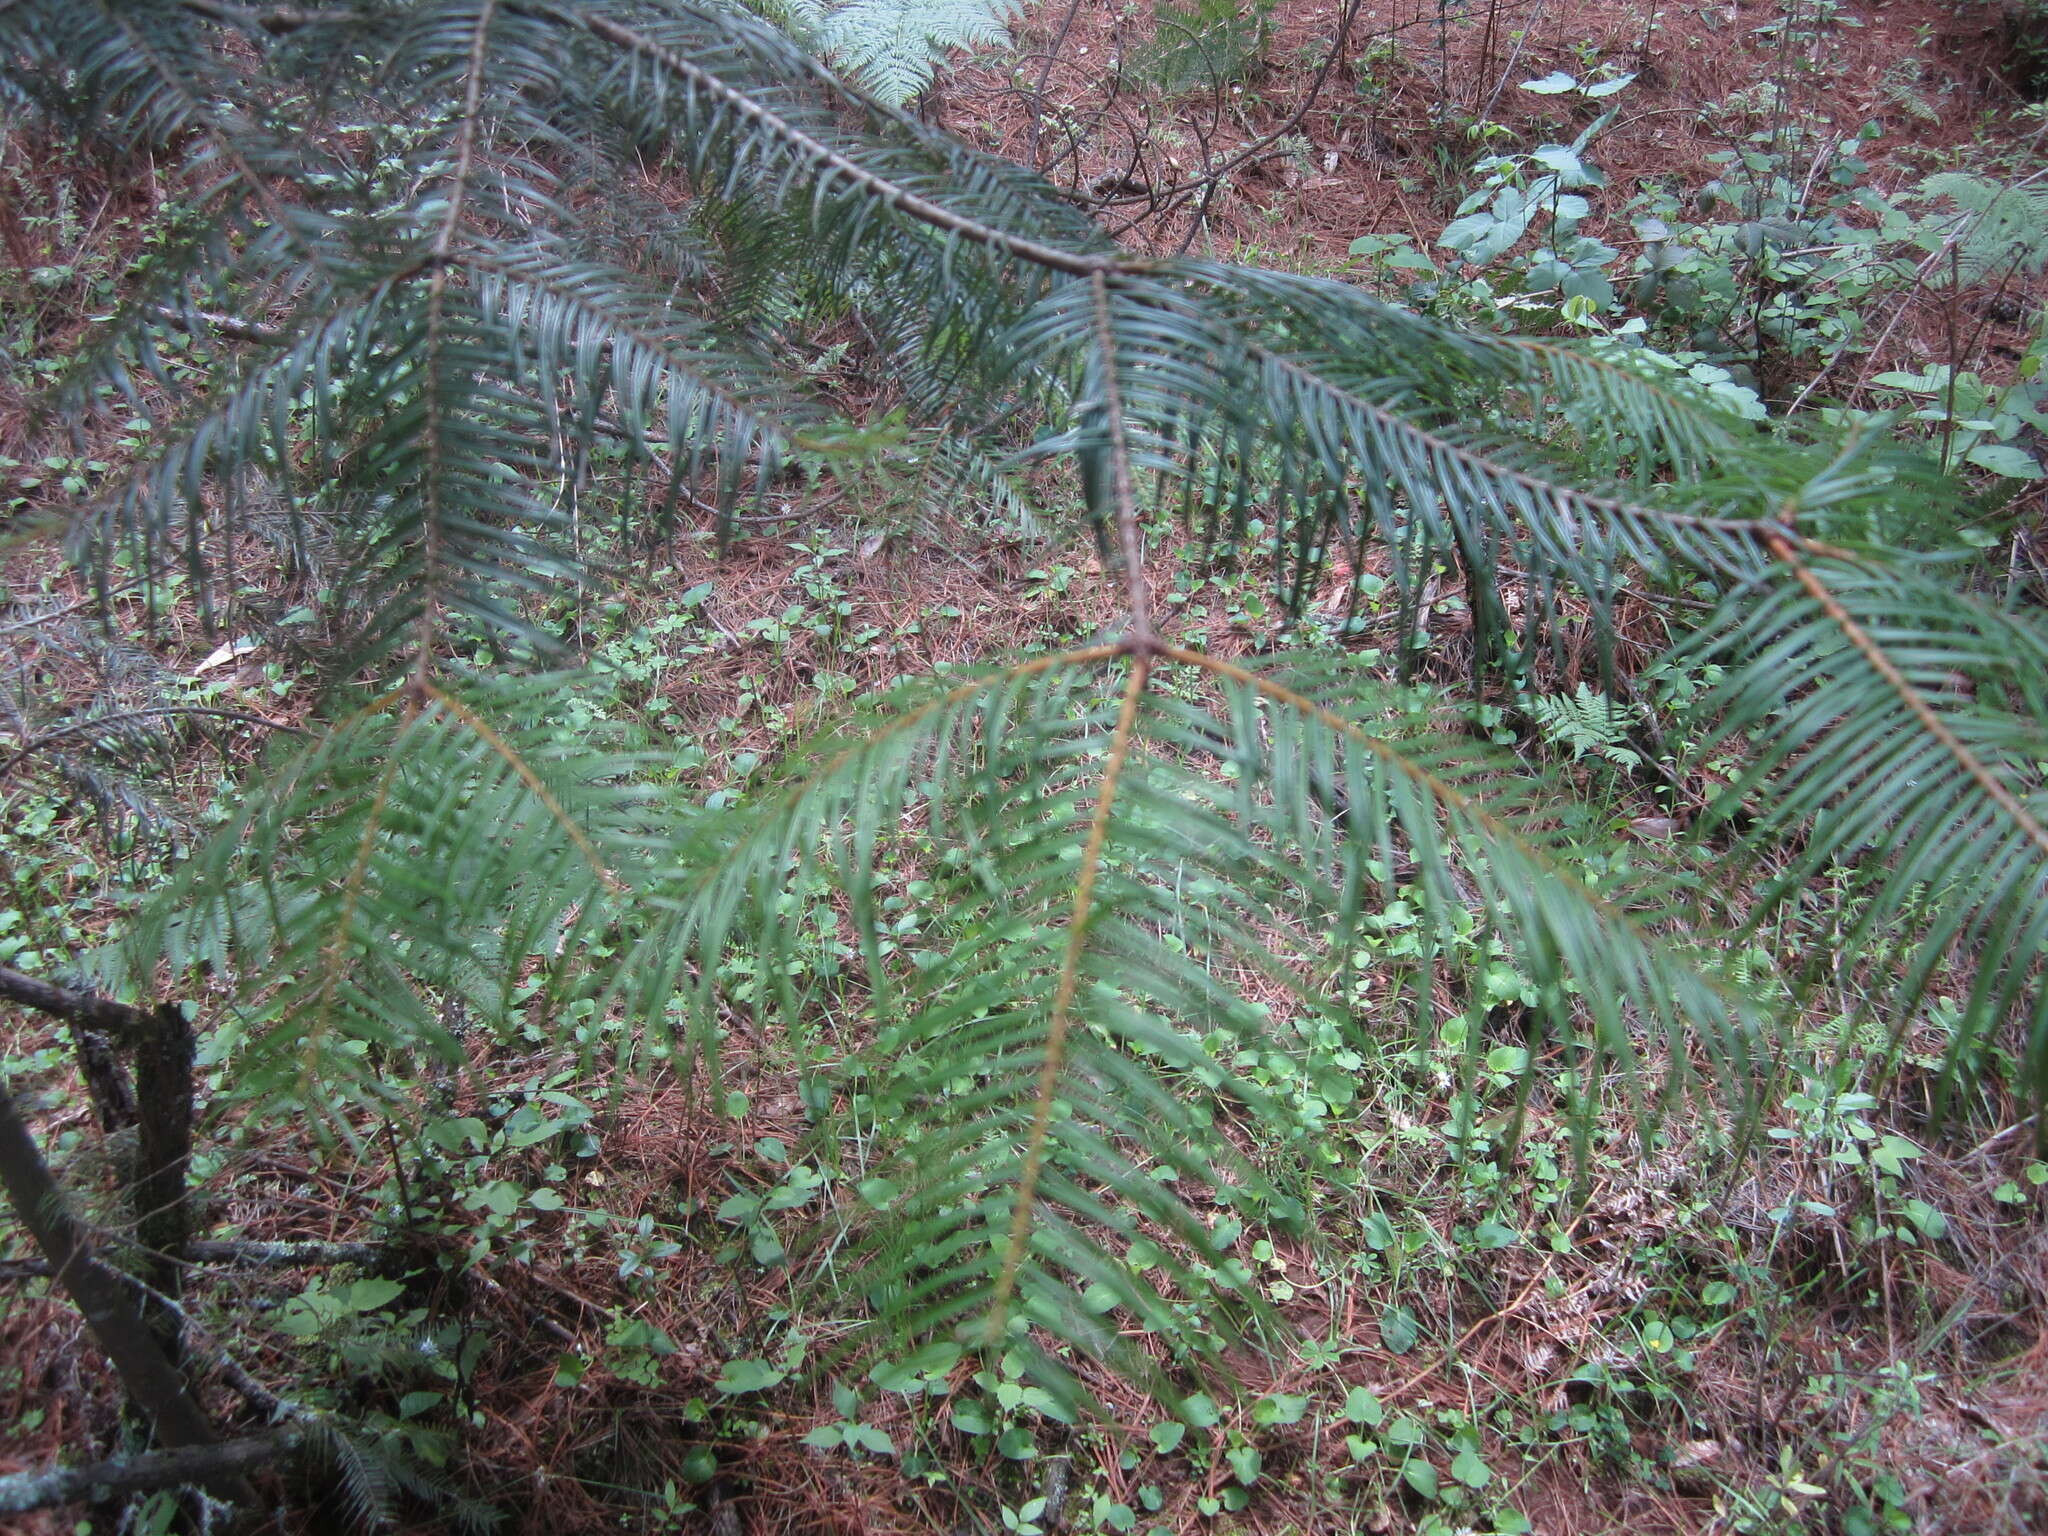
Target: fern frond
(1999, 227)
(892, 48)
(366, 1484)
(1585, 722)
(1205, 44)
(373, 1471)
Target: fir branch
(1063, 1003)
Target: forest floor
(1839, 1330)
(1320, 146)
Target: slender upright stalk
(142, 1356)
(1486, 49)
(1130, 534)
(1443, 52)
(163, 1101)
(1649, 33)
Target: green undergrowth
(1480, 1304)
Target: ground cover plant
(1523, 829)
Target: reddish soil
(1398, 136)
(1382, 146)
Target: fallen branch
(101, 1481)
(198, 321)
(237, 1254)
(254, 1255)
